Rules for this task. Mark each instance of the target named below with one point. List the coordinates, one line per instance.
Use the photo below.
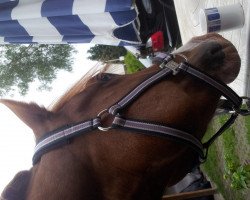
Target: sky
(16, 139)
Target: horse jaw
(213, 54)
(34, 116)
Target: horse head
(120, 164)
(214, 55)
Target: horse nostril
(217, 53)
(212, 55)
(216, 47)
(219, 57)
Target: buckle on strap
(243, 111)
(172, 65)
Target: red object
(157, 41)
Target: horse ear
(31, 114)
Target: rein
(61, 136)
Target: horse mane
(80, 85)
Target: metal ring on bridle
(243, 112)
(245, 98)
(100, 114)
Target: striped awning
(112, 22)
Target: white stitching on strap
(224, 90)
(125, 100)
(158, 128)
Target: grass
(216, 169)
(229, 144)
(247, 122)
(213, 172)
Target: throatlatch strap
(228, 123)
(220, 86)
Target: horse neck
(61, 175)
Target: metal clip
(171, 65)
(245, 111)
(242, 112)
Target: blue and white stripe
(68, 21)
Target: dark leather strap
(154, 129)
(60, 136)
(218, 85)
(227, 124)
(128, 99)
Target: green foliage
(132, 65)
(229, 144)
(235, 173)
(247, 122)
(239, 177)
(212, 160)
(22, 64)
(105, 52)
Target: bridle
(169, 68)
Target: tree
(105, 52)
(22, 64)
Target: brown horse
(119, 164)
